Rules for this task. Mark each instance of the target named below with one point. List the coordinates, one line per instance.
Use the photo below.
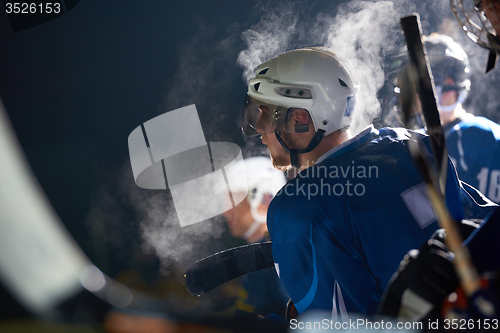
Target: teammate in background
(473, 142)
(260, 292)
(473, 146)
(342, 225)
(248, 219)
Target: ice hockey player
(342, 225)
(473, 142)
(427, 276)
(261, 292)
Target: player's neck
(448, 117)
(327, 143)
(258, 234)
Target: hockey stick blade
(222, 267)
(412, 31)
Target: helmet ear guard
(302, 128)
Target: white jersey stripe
(337, 296)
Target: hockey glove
(423, 280)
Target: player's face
(263, 125)
(447, 98)
(239, 218)
(279, 157)
(492, 10)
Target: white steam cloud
(173, 244)
(367, 33)
(270, 37)
(121, 208)
(205, 72)
(361, 31)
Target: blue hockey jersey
(474, 147)
(341, 227)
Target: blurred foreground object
(40, 263)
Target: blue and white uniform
(474, 147)
(341, 227)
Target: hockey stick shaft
(426, 91)
(225, 266)
(466, 271)
(436, 189)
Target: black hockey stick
(426, 92)
(227, 265)
(435, 185)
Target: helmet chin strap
(294, 153)
(258, 219)
(448, 108)
(255, 199)
(253, 228)
(460, 100)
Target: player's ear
(300, 117)
(301, 120)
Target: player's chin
(281, 163)
(236, 232)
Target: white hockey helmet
(257, 176)
(310, 78)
